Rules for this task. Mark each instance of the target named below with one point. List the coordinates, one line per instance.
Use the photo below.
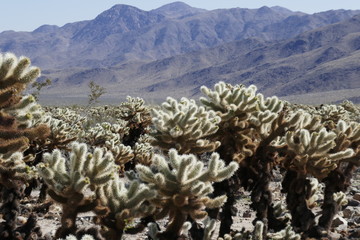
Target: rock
(356, 220)
(353, 203)
(356, 196)
(340, 224)
(333, 236)
(350, 212)
(355, 234)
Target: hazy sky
(27, 15)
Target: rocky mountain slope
(176, 48)
(324, 59)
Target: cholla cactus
(27, 112)
(122, 154)
(183, 185)
(184, 126)
(61, 134)
(18, 115)
(132, 114)
(234, 105)
(101, 133)
(249, 122)
(313, 193)
(318, 153)
(347, 137)
(68, 180)
(122, 203)
(210, 226)
(230, 100)
(135, 111)
(68, 115)
(110, 137)
(331, 112)
(280, 211)
(138, 118)
(313, 152)
(16, 128)
(143, 153)
(154, 230)
(285, 234)
(353, 111)
(340, 198)
(256, 234)
(17, 167)
(15, 75)
(348, 134)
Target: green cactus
(69, 179)
(183, 185)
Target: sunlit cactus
(143, 153)
(98, 135)
(121, 203)
(122, 154)
(70, 180)
(18, 116)
(249, 122)
(184, 126)
(15, 75)
(285, 234)
(61, 134)
(183, 184)
(135, 112)
(313, 152)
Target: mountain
(174, 45)
(318, 66)
(178, 10)
(126, 34)
(325, 59)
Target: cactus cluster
(19, 116)
(184, 162)
(184, 126)
(68, 180)
(182, 184)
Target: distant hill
(325, 59)
(176, 48)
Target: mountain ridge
(163, 51)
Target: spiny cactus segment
(68, 180)
(183, 184)
(184, 126)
